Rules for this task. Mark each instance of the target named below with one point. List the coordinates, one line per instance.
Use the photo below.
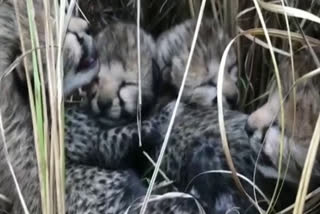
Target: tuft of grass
(307, 170)
(47, 74)
(168, 195)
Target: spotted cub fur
(99, 174)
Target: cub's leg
(88, 143)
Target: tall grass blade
(165, 143)
(224, 140)
(276, 71)
(139, 72)
(290, 11)
(307, 169)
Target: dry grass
(48, 134)
(166, 139)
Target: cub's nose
(92, 88)
(99, 105)
(249, 129)
(104, 106)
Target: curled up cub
(14, 104)
(300, 111)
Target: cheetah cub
(79, 52)
(102, 144)
(173, 50)
(300, 114)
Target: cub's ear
(156, 77)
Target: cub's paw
(168, 109)
(81, 64)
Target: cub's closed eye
(275, 123)
(232, 67)
(212, 84)
(88, 31)
(124, 83)
(131, 83)
(209, 83)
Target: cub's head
(81, 64)
(80, 59)
(201, 84)
(300, 111)
(114, 96)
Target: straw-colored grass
(175, 109)
(48, 134)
